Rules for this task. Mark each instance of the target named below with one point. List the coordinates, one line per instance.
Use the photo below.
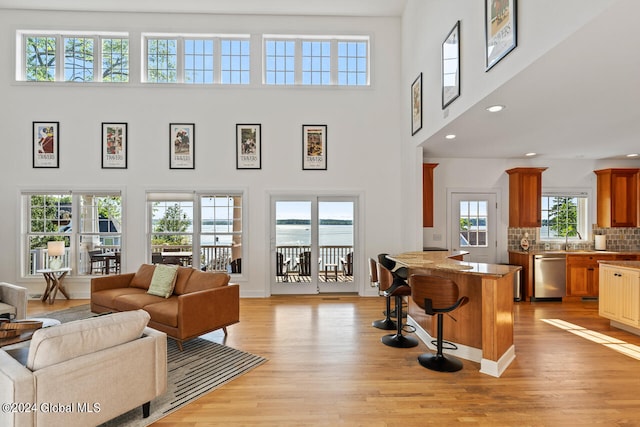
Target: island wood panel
(497, 316)
(485, 322)
(467, 328)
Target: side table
(334, 268)
(54, 280)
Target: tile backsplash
(618, 239)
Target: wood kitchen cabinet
(617, 198)
(583, 272)
(525, 197)
(427, 194)
(620, 294)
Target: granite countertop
(576, 252)
(441, 260)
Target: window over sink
(564, 215)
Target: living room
(371, 155)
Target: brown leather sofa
(201, 301)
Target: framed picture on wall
(182, 145)
(451, 66)
(416, 105)
(314, 147)
(114, 145)
(46, 148)
(500, 29)
(248, 146)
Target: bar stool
(398, 289)
(437, 295)
(383, 277)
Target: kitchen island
(620, 294)
(483, 331)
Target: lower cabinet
(582, 274)
(620, 294)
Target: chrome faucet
(566, 239)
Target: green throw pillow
(163, 280)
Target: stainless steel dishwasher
(549, 277)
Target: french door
(312, 244)
(473, 225)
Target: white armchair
(94, 369)
(13, 301)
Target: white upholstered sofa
(83, 373)
(13, 301)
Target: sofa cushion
(107, 297)
(184, 274)
(130, 302)
(165, 312)
(56, 344)
(142, 278)
(201, 280)
(163, 280)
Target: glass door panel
(335, 245)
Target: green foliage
(563, 216)
(174, 220)
(45, 211)
(162, 61)
(115, 60)
(41, 59)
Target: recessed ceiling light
(495, 108)
(531, 154)
(450, 136)
(633, 155)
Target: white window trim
(97, 36)
(181, 37)
(334, 39)
(583, 220)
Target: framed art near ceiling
(314, 147)
(114, 145)
(182, 146)
(451, 66)
(500, 29)
(248, 146)
(45, 144)
(416, 105)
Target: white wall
(363, 133)
(541, 25)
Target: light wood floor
(327, 367)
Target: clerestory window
(316, 60)
(73, 57)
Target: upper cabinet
(617, 197)
(525, 197)
(427, 194)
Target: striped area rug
(200, 368)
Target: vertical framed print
(314, 147)
(46, 144)
(182, 145)
(451, 66)
(114, 145)
(248, 146)
(416, 105)
(500, 29)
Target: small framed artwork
(416, 105)
(182, 145)
(451, 66)
(500, 29)
(314, 147)
(46, 148)
(248, 146)
(114, 145)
